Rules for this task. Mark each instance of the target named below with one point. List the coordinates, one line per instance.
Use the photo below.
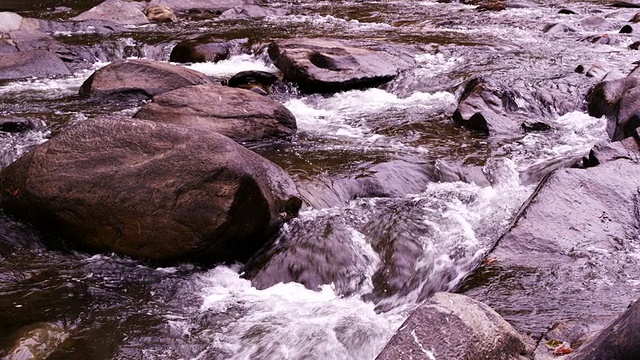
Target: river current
(112, 307)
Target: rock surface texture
(327, 65)
(619, 101)
(149, 190)
(139, 79)
(576, 229)
(33, 63)
(119, 11)
(237, 113)
(452, 326)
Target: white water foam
(233, 65)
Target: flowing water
(399, 202)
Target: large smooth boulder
(9, 21)
(237, 113)
(329, 65)
(452, 326)
(620, 340)
(119, 11)
(217, 6)
(150, 190)
(33, 63)
(140, 78)
(619, 101)
(570, 253)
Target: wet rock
(597, 71)
(627, 148)
(625, 4)
(160, 14)
(37, 341)
(313, 252)
(251, 12)
(483, 107)
(119, 11)
(574, 333)
(257, 81)
(535, 126)
(452, 326)
(619, 101)
(575, 230)
(567, 12)
(492, 6)
(9, 124)
(634, 46)
(218, 6)
(635, 18)
(557, 29)
(620, 340)
(594, 23)
(149, 190)
(139, 79)
(327, 65)
(205, 49)
(237, 113)
(33, 63)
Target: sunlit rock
(119, 11)
(452, 326)
(160, 14)
(328, 65)
(139, 79)
(37, 341)
(237, 113)
(149, 190)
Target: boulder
(250, 12)
(237, 113)
(13, 125)
(218, 6)
(563, 256)
(33, 63)
(9, 21)
(328, 65)
(160, 14)
(620, 340)
(453, 326)
(139, 78)
(150, 190)
(119, 11)
(619, 101)
(204, 49)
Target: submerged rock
(11, 124)
(139, 79)
(33, 63)
(329, 65)
(237, 113)
(256, 81)
(119, 11)
(453, 326)
(149, 190)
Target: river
(386, 249)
